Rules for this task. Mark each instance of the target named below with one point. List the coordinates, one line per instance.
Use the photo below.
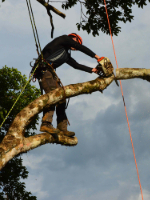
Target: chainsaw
(105, 68)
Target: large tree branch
(50, 7)
(11, 148)
(15, 143)
(25, 116)
(128, 73)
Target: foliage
(11, 83)
(10, 184)
(95, 19)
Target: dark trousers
(49, 83)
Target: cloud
(146, 196)
(35, 182)
(33, 162)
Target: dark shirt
(57, 52)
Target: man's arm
(76, 65)
(97, 57)
(71, 43)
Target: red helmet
(79, 39)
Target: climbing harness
(43, 66)
(124, 102)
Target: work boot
(47, 127)
(62, 126)
(69, 133)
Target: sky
(102, 165)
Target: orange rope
(124, 102)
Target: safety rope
(35, 33)
(124, 102)
(19, 96)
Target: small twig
(82, 13)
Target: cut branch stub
(50, 7)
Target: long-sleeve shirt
(57, 52)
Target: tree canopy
(95, 19)
(93, 15)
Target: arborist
(57, 53)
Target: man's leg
(62, 119)
(48, 84)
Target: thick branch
(23, 118)
(14, 142)
(14, 148)
(128, 73)
(49, 7)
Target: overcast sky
(101, 166)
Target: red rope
(124, 103)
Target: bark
(129, 73)
(50, 7)
(15, 143)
